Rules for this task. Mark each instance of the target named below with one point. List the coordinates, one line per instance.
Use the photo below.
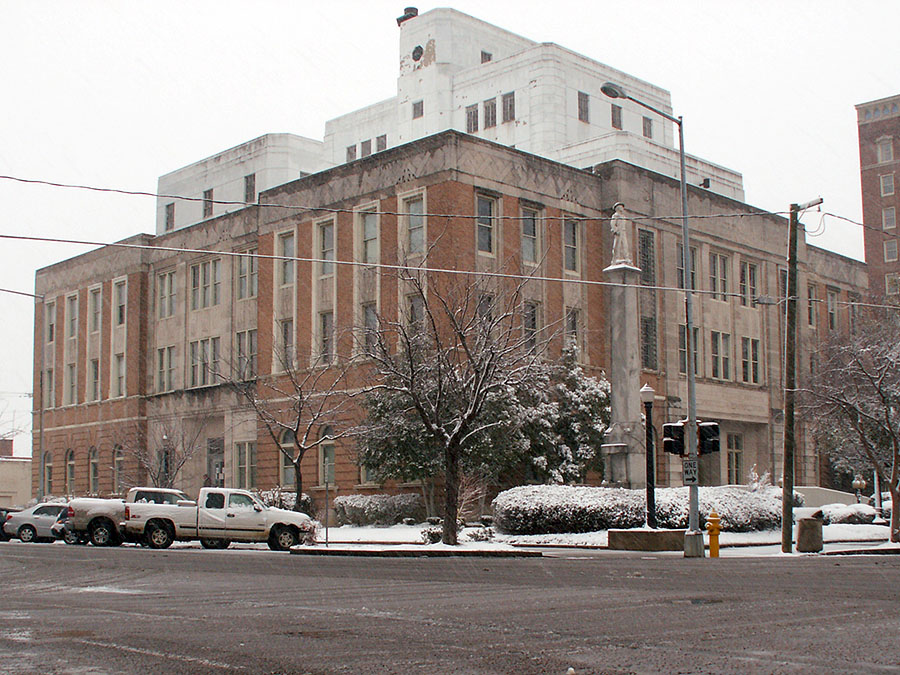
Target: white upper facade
(458, 72)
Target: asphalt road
(86, 611)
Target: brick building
(130, 338)
(879, 128)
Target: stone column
(623, 453)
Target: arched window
(70, 472)
(326, 457)
(93, 471)
(48, 473)
(118, 467)
(287, 464)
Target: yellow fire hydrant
(713, 526)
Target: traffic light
(708, 433)
(673, 438)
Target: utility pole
(790, 380)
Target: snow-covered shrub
(431, 535)
(285, 499)
(548, 509)
(847, 514)
(479, 533)
(378, 509)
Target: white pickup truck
(98, 519)
(218, 517)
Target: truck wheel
(27, 534)
(102, 534)
(282, 538)
(72, 538)
(159, 535)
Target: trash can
(809, 535)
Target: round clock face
(417, 52)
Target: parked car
(3, 514)
(34, 524)
(68, 535)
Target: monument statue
(621, 251)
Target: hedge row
(551, 509)
(378, 509)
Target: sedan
(33, 524)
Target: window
(51, 322)
(415, 225)
(326, 457)
(853, 313)
(584, 111)
(381, 143)
(748, 283)
(573, 323)
(248, 275)
(207, 203)
(782, 283)
(72, 316)
(682, 348)
(831, 302)
(415, 310)
(95, 380)
(326, 336)
(121, 299)
(48, 473)
(351, 152)
(471, 119)
(288, 474)
(509, 106)
(888, 218)
(490, 113)
(720, 352)
(648, 127)
(718, 276)
(70, 472)
(93, 471)
(71, 385)
(570, 245)
(287, 253)
(204, 362)
(890, 250)
(370, 327)
(118, 467)
(49, 393)
(811, 305)
(892, 284)
(615, 117)
(250, 188)
(884, 150)
(750, 360)
(286, 346)
(418, 109)
(365, 148)
(95, 307)
(485, 224)
(165, 369)
(369, 226)
(529, 236)
(166, 283)
(530, 324)
(735, 446)
(215, 500)
(484, 309)
(648, 343)
(326, 248)
(170, 216)
(679, 266)
(647, 257)
(887, 185)
(119, 374)
(245, 346)
(206, 280)
(486, 56)
(245, 454)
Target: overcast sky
(115, 94)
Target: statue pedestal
(624, 453)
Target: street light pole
(647, 394)
(693, 538)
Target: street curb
(865, 551)
(413, 553)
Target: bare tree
(853, 401)
(460, 348)
(160, 454)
